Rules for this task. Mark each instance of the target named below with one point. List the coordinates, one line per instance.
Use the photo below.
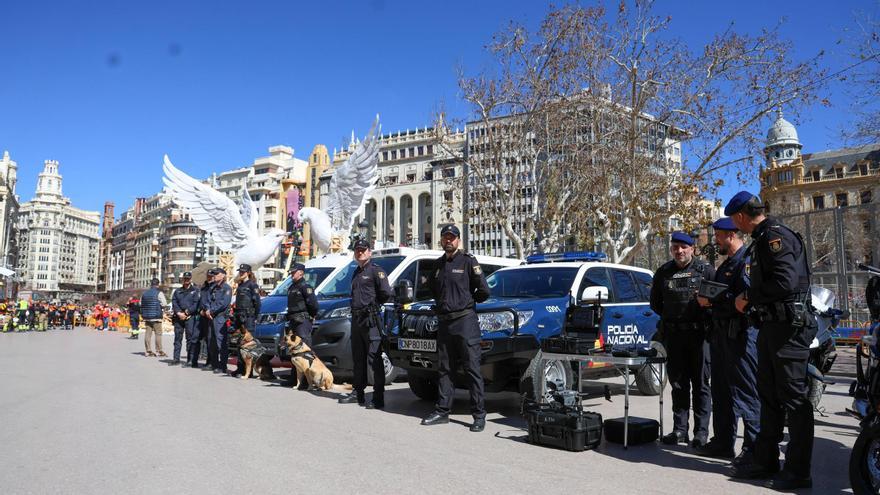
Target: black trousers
(734, 382)
(206, 333)
(688, 367)
(458, 343)
(783, 352)
(366, 354)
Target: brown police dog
(247, 350)
(307, 364)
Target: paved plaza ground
(85, 412)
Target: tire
(425, 388)
(647, 381)
(864, 461)
(557, 375)
(391, 371)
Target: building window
(784, 177)
(817, 175)
(838, 172)
(818, 202)
(421, 150)
(394, 154)
(865, 196)
(863, 169)
(448, 173)
(430, 149)
(841, 199)
(384, 156)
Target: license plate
(423, 345)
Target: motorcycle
(823, 349)
(864, 461)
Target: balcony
(846, 174)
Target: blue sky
(107, 88)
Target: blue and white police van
(529, 303)
(331, 333)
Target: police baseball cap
(682, 238)
(297, 266)
(724, 223)
(450, 229)
(154, 281)
(212, 272)
(362, 244)
(244, 267)
(187, 274)
(740, 200)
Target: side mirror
(403, 291)
(596, 293)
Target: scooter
(823, 349)
(864, 461)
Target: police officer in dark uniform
(184, 306)
(247, 307)
(219, 300)
(206, 328)
(369, 290)
(134, 316)
(457, 285)
(302, 307)
(734, 355)
(683, 328)
(778, 303)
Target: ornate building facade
(8, 229)
(58, 243)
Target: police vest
(244, 297)
(679, 291)
(22, 305)
(296, 303)
(150, 307)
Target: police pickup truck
(540, 294)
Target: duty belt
(454, 315)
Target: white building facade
(58, 242)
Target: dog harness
(307, 355)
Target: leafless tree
(863, 81)
(578, 131)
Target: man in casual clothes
(152, 304)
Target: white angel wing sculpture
(219, 216)
(353, 181)
(319, 227)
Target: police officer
(302, 307)
(247, 307)
(184, 307)
(683, 327)
(369, 290)
(219, 299)
(778, 302)
(734, 357)
(134, 316)
(872, 297)
(457, 285)
(206, 327)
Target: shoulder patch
(776, 245)
(477, 270)
(381, 274)
(308, 290)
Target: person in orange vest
(98, 315)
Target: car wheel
(424, 388)
(391, 371)
(648, 376)
(557, 375)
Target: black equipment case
(641, 430)
(565, 344)
(569, 428)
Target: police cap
(682, 238)
(724, 223)
(297, 266)
(187, 274)
(244, 267)
(212, 272)
(740, 200)
(362, 244)
(154, 281)
(450, 229)
(219, 270)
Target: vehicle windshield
(532, 282)
(313, 276)
(340, 284)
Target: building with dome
(793, 182)
(58, 243)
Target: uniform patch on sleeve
(776, 245)
(381, 274)
(748, 270)
(477, 270)
(308, 290)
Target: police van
(527, 304)
(331, 337)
